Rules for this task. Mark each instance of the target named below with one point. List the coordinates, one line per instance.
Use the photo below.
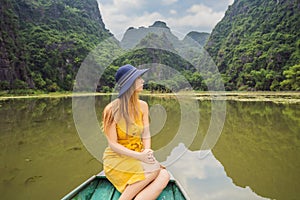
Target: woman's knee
(152, 175)
(164, 178)
(164, 174)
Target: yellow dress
(119, 169)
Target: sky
(182, 16)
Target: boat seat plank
(104, 190)
(116, 195)
(87, 192)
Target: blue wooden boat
(98, 187)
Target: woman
(128, 161)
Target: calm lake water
(256, 157)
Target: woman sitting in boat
(128, 161)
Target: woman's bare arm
(146, 136)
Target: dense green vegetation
(45, 42)
(257, 45)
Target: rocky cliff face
(12, 65)
(43, 42)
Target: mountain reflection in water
(257, 155)
(206, 178)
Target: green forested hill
(257, 45)
(43, 42)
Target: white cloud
(168, 2)
(201, 15)
(230, 2)
(119, 23)
(128, 4)
(147, 19)
(199, 18)
(117, 8)
(119, 15)
(173, 12)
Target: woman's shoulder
(143, 105)
(112, 104)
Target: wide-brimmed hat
(125, 77)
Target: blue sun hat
(125, 77)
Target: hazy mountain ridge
(134, 35)
(200, 37)
(175, 64)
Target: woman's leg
(133, 189)
(153, 190)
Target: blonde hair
(125, 107)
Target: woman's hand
(147, 156)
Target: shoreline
(282, 97)
(288, 97)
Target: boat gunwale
(78, 188)
(102, 175)
(172, 179)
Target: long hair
(125, 107)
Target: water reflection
(257, 155)
(206, 178)
(259, 147)
(41, 155)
